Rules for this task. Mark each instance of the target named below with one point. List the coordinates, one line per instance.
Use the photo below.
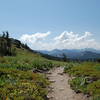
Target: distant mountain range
(82, 54)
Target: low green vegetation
(22, 85)
(86, 78)
(24, 61)
(19, 79)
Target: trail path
(60, 89)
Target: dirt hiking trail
(59, 88)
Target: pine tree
(8, 43)
(7, 34)
(64, 57)
(3, 36)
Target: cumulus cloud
(36, 40)
(66, 40)
(72, 40)
(71, 37)
(34, 37)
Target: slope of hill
(19, 77)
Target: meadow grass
(22, 85)
(17, 79)
(86, 78)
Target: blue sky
(21, 17)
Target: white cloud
(34, 37)
(35, 41)
(71, 40)
(66, 40)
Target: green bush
(68, 67)
(79, 84)
(42, 65)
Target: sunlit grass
(17, 80)
(15, 84)
(87, 78)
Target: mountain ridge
(83, 54)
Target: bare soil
(59, 88)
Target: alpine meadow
(49, 50)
